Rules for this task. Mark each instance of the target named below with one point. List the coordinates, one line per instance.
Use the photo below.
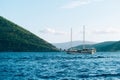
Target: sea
(59, 66)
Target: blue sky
(53, 19)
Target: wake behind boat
(84, 50)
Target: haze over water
(59, 65)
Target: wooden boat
(83, 50)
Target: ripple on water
(60, 66)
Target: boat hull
(84, 51)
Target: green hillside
(15, 38)
(115, 46)
(109, 46)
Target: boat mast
(83, 37)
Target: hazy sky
(53, 19)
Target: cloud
(52, 31)
(107, 31)
(77, 3)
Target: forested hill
(16, 39)
(108, 46)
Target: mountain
(117, 46)
(16, 39)
(67, 45)
(109, 46)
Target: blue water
(59, 66)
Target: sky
(52, 20)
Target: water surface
(59, 66)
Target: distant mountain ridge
(17, 39)
(108, 46)
(67, 45)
